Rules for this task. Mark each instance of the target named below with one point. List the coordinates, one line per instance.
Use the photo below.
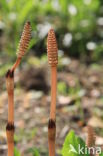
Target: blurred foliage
(16, 152)
(34, 152)
(62, 88)
(78, 26)
(22, 134)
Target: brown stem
(10, 138)
(10, 91)
(22, 48)
(11, 149)
(16, 64)
(52, 124)
(51, 137)
(10, 125)
(53, 92)
(53, 61)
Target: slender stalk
(22, 48)
(53, 61)
(11, 149)
(52, 123)
(16, 64)
(10, 90)
(10, 124)
(53, 92)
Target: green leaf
(71, 146)
(16, 152)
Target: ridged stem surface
(10, 124)
(53, 92)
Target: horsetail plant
(22, 48)
(90, 142)
(52, 52)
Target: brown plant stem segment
(10, 91)
(53, 61)
(53, 92)
(51, 136)
(10, 138)
(16, 64)
(10, 124)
